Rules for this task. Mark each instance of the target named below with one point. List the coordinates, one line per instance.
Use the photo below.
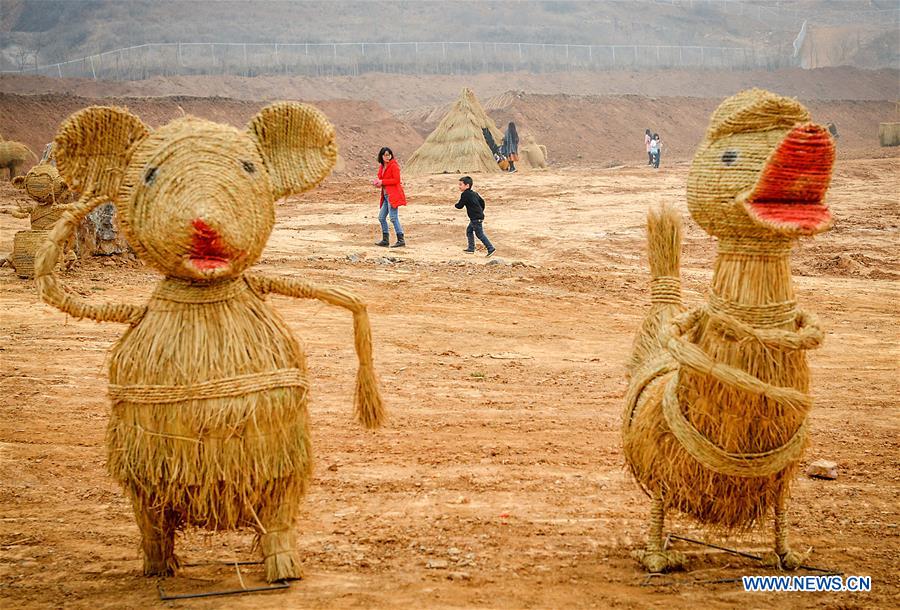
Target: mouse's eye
(248, 167)
(730, 157)
(150, 175)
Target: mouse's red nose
(208, 249)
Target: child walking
(474, 205)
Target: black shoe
(467, 251)
(400, 241)
(491, 252)
(384, 240)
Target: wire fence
(353, 58)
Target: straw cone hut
(457, 145)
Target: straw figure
(12, 155)
(208, 424)
(457, 145)
(716, 410)
(48, 192)
(535, 154)
(48, 199)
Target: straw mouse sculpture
(48, 193)
(208, 424)
(48, 196)
(718, 397)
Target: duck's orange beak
(790, 193)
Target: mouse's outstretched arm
(53, 292)
(369, 408)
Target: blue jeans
(475, 229)
(383, 213)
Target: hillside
(404, 92)
(50, 31)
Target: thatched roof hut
(457, 145)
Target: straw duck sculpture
(208, 424)
(716, 409)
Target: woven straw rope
(690, 355)
(739, 247)
(641, 378)
(238, 385)
(767, 316)
(186, 292)
(715, 458)
(665, 289)
(682, 352)
(685, 353)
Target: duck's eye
(248, 167)
(730, 157)
(150, 175)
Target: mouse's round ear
(19, 182)
(297, 143)
(93, 147)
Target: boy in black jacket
(474, 205)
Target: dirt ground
(499, 481)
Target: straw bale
(457, 145)
(889, 134)
(208, 425)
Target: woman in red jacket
(392, 196)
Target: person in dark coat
(474, 205)
(510, 148)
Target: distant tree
(23, 56)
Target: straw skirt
(209, 409)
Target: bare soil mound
(409, 91)
(609, 130)
(577, 130)
(362, 126)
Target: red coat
(390, 183)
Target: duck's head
(762, 170)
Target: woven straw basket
(25, 245)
